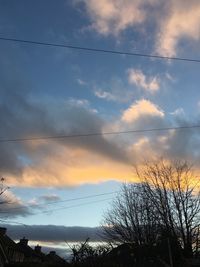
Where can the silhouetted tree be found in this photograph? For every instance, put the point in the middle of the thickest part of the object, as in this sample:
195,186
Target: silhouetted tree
83,254
173,190
3,189
166,203
132,218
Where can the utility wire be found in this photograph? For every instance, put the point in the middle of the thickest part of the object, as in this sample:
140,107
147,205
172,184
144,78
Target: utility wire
4,140
59,201
68,207
54,210
73,206
98,50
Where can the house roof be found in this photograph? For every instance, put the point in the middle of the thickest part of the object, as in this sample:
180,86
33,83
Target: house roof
6,243
27,251
53,257
40,254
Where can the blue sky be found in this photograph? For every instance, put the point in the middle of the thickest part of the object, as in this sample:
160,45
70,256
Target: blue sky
54,91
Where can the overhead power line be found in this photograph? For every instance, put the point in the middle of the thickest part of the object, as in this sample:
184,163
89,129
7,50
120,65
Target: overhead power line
73,206
81,198
58,209
58,201
98,50
68,207
5,140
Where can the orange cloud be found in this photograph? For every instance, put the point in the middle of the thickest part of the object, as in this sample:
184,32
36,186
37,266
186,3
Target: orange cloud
82,167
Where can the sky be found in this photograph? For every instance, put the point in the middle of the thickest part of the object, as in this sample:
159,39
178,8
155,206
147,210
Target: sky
52,91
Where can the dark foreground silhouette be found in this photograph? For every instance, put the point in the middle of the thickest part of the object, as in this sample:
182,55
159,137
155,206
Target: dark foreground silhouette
165,254
21,254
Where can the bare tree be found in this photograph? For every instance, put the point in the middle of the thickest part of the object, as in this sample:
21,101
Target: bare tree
173,190
131,218
88,255
167,199
3,189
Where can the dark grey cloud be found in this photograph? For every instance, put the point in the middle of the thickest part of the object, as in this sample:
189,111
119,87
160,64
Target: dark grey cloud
12,207
23,115
50,235
53,233
184,144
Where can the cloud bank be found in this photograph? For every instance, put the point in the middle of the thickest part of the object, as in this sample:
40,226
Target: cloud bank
53,233
75,161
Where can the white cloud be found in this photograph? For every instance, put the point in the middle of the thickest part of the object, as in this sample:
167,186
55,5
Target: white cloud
176,20
81,82
140,109
81,103
179,112
78,102
115,90
181,21
120,96
105,95
138,78
114,16
170,77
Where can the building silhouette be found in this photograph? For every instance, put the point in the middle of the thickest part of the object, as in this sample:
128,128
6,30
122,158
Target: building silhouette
12,253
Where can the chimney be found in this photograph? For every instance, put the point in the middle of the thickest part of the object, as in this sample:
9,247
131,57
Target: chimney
38,249
3,230
52,253
24,241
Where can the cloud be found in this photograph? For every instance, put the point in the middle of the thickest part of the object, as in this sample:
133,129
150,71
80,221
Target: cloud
181,145
170,77
78,160
179,112
115,90
105,95
53,233
12,206
46,162
114,16
75,161
119,95
180,21
89,168
81,82
54,237
141,108
138,78
174,20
